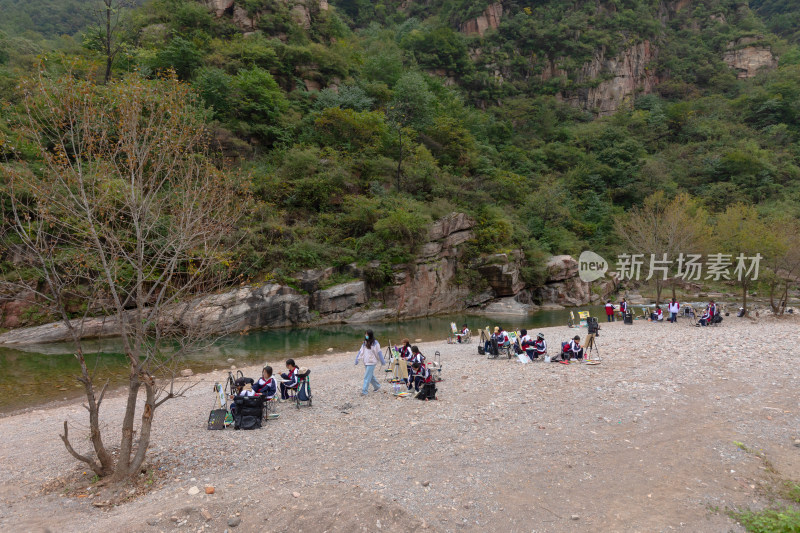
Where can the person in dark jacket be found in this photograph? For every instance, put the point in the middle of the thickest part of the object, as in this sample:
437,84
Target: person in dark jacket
290,379
419,374
266,385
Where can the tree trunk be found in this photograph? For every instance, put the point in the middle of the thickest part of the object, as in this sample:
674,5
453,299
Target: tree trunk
93,406
109,57
122,469
659,288
400,158
147,423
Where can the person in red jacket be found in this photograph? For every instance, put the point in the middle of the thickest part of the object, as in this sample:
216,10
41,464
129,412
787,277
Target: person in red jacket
609,311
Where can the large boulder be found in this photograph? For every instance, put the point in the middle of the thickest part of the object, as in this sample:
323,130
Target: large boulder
561,267
265,306
340,298
501,271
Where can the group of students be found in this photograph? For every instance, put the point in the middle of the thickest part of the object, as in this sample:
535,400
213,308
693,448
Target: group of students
267,385
657,315
418,372
535,348
370,353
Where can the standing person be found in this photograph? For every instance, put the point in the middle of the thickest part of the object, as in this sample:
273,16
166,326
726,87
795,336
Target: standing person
609,311
371,353
712,309
623,307
673,308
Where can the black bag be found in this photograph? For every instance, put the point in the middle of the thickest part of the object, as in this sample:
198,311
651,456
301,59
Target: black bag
481,350
717,319
427,392
495,347
628,318
247,422
249,410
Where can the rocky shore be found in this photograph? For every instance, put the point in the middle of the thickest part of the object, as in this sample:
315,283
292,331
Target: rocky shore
369,293
644,441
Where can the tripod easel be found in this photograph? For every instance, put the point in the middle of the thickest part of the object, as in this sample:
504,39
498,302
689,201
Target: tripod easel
590,345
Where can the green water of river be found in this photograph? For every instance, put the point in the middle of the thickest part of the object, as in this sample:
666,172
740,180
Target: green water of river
46,373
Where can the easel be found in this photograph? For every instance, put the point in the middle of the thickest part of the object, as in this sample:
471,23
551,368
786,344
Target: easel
398,368
590,346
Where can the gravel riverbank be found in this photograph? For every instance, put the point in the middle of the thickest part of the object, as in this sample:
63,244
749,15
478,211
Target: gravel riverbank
642,442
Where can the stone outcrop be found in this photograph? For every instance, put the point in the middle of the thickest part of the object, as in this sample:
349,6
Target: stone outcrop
748,58
339,298
501,271
564,287
622,77
219,7
427,287
490,18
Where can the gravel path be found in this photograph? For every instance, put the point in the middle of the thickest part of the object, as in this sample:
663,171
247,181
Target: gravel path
642,442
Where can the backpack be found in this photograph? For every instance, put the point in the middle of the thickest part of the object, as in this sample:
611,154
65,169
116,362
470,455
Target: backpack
716,319
248,412
427,392
481,351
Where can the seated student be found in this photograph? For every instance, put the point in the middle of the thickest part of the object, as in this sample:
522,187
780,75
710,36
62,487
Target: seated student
706,317
488,344
539,347
291,379
463,333
574,349
502,337
405,350
526,342
656,315
416,356
266,385
419,374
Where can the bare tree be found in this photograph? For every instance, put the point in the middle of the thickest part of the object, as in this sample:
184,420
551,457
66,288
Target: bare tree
127,216
105,35
663,228
782,262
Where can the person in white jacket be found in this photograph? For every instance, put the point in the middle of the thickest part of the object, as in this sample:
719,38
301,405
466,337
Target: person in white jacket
673,308
371,353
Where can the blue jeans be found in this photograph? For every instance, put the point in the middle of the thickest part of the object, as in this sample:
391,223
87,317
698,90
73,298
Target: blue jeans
369,377
673,317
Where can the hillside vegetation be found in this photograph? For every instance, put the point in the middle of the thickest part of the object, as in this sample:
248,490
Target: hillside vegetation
360,122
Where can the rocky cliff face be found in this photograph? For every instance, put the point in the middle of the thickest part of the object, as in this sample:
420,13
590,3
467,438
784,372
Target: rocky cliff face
622,77
300,10
749,59
564,287
490,18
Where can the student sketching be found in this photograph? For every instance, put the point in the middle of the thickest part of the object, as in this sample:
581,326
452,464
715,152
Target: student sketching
416,356
291,379
464,332
266,385
419,374
573,350
526,342
539,347
405,351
